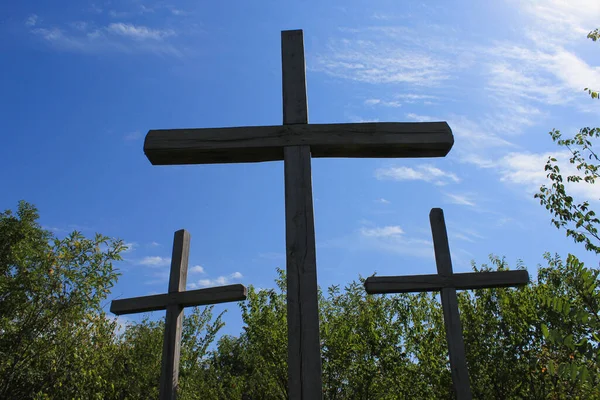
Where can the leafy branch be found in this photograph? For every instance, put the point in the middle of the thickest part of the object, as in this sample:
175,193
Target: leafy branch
578,219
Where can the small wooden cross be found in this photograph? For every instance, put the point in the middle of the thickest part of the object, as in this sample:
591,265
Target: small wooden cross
295,142
447,283
174,301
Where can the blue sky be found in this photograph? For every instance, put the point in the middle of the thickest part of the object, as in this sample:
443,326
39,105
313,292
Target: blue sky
82,83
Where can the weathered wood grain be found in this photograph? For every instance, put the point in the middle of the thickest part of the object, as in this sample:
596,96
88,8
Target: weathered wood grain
456,346
169,376
304,348
266,143
179,261
190,298
293,78
461,281
304,352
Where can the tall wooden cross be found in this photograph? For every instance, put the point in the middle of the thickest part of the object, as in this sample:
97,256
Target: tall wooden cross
295,142
174,301
447,283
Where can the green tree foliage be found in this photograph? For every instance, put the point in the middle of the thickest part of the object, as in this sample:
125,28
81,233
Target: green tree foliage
572,336
52,328
579,221
536,342
139,351
394,346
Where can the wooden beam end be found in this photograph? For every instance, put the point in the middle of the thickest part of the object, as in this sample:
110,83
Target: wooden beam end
113,308
291,32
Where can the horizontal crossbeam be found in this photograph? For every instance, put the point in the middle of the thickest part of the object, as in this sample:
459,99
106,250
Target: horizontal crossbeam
427,283
266,143
213,295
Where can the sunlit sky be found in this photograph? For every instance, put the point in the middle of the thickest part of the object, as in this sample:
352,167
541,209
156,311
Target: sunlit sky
82,82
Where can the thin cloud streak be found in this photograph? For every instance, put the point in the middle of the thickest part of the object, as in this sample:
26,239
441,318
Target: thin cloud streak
462,200
383,56
424,172
85,37
527,170
219,281
384,231
138,32
155,261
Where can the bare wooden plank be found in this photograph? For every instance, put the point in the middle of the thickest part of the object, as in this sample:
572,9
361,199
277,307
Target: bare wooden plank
456,346
428,283
304,347
199,297
179,261
293,76
304,351
255,144
169,375
441,246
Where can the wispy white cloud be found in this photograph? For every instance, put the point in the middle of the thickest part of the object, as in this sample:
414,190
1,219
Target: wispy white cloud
139,9
560,20
219,281
382,16
421,118
476,136
179,12
527,170
543,68
31,20
517,82
383,201
163,9
383,103
384,55
460,199
399,99
155,261
423,172
461,236
138,32
478,160
130,247
86,37
415,97
197,269
359,120
383,231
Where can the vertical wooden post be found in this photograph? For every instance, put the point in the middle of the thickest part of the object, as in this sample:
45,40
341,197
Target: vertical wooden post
304,350
456,345
169,375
